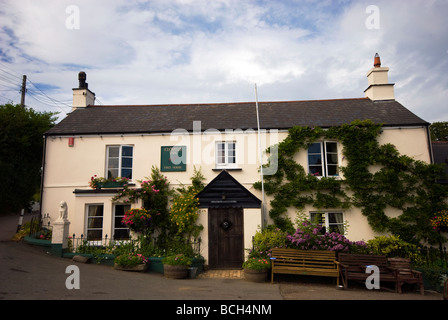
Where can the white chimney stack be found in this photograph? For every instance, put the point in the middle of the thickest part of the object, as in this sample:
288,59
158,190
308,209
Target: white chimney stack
82,96
379,86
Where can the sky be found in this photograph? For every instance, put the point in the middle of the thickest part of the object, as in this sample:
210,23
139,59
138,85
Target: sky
211,51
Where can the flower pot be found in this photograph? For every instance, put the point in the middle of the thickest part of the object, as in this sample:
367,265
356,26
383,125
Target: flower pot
111,184
155,264
192,272
175,272
256,275
142,267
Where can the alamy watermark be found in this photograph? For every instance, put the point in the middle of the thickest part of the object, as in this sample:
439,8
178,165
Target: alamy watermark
73,21
373,281
246,147
73,280
373,20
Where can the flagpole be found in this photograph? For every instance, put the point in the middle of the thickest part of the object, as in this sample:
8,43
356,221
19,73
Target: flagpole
263,211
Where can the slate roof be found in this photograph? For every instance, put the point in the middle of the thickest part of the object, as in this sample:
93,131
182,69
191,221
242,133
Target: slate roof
241,115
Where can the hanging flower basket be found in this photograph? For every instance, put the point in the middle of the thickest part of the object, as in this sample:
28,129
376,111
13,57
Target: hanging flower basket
137,219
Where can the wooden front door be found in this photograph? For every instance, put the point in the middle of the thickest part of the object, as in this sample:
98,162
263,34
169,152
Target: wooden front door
225,236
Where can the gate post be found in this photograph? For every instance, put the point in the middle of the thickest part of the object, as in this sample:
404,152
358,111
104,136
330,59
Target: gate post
59,238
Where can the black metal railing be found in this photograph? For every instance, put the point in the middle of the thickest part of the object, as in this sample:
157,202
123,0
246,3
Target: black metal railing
39,230
83,244
109,245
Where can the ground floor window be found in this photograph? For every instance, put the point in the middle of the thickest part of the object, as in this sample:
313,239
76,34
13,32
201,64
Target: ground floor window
94,222
121,232
330,221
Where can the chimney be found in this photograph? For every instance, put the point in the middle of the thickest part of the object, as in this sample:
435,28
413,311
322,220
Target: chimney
82,96
379,86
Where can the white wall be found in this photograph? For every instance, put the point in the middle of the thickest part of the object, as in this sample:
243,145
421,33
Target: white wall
69,168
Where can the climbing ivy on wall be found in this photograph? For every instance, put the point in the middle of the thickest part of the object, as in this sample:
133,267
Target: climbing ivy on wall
398,181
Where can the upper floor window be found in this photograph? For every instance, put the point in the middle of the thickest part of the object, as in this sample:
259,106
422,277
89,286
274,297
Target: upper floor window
226,154
119,161
323,159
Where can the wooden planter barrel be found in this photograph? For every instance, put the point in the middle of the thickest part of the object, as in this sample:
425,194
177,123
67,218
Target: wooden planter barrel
256,275
175,272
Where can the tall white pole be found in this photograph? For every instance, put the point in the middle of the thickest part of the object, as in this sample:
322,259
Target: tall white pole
263,211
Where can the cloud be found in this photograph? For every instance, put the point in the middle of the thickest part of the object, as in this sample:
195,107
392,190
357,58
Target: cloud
188,51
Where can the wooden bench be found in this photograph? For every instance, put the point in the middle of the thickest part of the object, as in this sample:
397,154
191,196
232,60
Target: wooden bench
405,274
304,262
353,267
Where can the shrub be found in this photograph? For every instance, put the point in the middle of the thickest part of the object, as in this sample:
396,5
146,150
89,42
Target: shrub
177,260
265,240
310,237
258,264
131,259
393,246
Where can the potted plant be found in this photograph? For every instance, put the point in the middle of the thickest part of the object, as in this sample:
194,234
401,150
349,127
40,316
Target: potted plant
100,182
176,266
256,269
131,262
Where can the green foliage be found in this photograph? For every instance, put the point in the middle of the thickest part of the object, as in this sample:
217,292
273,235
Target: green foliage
266,239
130,259
393,246
21,145
399,182
310,236
439,131
174,225
185,205
256,263
177,260
154,193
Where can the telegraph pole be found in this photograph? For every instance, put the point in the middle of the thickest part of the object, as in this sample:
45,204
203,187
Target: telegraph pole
23,90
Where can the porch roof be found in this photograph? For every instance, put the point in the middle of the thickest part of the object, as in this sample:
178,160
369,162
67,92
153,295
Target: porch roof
224,191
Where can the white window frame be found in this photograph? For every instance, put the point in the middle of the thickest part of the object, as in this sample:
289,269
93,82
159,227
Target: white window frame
227,163
114,226
120,160
88,228
324,156
326,220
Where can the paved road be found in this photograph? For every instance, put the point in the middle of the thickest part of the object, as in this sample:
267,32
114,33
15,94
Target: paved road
28,272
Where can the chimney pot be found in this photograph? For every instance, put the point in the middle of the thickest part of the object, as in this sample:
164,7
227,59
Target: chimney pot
377,61
379,87
82,96
82,80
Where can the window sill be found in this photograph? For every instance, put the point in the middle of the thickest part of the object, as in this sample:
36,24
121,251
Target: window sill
334,177
103,191
227,169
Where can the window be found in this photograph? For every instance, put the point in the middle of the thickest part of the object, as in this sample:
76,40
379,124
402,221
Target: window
119,161
120,230
323,159
94,222
225,154
330,221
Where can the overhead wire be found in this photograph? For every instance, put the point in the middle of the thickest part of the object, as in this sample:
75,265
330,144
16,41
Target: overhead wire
10,82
